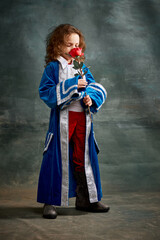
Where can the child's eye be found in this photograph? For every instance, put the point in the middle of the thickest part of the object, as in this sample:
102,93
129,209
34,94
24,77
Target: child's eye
68,45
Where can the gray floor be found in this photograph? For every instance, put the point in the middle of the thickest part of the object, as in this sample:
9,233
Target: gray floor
132,216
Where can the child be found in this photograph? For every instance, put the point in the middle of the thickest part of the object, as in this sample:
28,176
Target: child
70,164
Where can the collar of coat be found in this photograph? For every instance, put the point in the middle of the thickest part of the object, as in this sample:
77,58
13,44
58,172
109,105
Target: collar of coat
63,62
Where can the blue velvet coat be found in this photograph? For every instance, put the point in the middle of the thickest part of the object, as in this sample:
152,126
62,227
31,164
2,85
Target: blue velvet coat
56,181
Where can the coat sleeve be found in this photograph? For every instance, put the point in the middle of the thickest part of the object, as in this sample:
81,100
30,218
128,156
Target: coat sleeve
47,88
67,92
98,95
96,92
61,94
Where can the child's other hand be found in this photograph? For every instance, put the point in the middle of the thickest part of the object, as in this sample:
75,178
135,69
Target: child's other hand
87,100
82,83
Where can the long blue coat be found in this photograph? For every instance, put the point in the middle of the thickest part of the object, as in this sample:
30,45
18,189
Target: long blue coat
56,181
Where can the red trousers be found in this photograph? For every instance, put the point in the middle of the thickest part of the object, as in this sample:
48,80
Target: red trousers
77,132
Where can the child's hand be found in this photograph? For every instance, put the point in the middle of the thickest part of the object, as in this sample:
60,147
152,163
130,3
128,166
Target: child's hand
82,83
87,100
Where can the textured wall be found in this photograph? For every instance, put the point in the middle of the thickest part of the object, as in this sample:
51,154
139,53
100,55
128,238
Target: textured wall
123,51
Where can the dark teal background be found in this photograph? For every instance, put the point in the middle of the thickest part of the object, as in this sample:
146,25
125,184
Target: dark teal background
123,50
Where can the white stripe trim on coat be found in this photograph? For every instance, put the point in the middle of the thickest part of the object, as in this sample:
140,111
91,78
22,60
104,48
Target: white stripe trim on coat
62,100
100,86
92,189
49,137
64,155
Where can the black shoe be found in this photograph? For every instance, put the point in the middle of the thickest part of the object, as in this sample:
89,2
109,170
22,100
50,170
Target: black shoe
49,211
96,207
82,197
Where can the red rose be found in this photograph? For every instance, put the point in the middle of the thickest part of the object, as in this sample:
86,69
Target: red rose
76,52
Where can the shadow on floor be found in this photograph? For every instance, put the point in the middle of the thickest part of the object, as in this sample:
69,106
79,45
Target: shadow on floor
34,212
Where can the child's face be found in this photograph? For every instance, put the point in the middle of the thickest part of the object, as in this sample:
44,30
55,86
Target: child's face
70,41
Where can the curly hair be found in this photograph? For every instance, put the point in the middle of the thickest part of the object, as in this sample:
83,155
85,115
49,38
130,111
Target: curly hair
56,38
